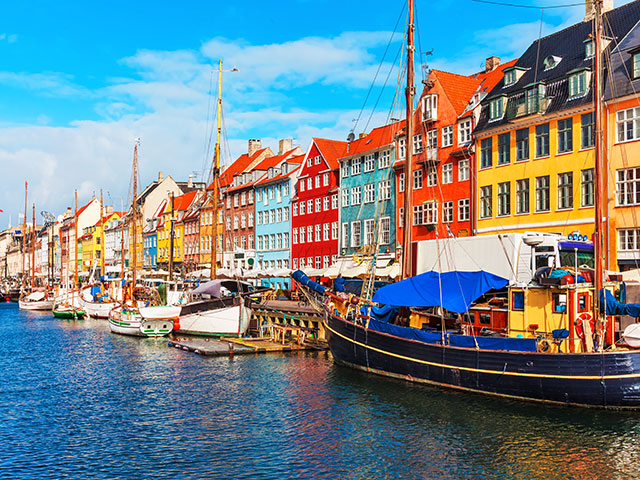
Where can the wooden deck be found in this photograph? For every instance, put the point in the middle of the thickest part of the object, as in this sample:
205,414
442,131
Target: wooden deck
240,346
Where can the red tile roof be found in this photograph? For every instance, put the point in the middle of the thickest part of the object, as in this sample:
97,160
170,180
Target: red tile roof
491,79
297,160
331,150
458,88
238,166
378,137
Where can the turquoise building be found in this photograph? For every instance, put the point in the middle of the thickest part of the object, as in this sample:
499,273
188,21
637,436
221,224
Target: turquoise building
273,194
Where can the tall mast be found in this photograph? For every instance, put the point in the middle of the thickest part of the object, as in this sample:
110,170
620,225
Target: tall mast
216,171
597,100
33,249
407,267
101,235
134,255
171,236
24,229
75,241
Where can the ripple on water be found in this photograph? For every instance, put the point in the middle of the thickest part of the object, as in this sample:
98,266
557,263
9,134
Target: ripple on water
79,402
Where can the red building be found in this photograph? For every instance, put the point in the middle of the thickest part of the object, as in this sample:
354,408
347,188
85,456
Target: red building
443,152
315,206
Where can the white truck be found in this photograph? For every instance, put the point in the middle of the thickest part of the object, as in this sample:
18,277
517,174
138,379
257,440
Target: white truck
514,256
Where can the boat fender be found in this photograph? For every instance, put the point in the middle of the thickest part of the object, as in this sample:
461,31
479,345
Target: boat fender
543,345
578,323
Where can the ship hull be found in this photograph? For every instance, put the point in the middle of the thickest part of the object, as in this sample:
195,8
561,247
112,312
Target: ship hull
609,380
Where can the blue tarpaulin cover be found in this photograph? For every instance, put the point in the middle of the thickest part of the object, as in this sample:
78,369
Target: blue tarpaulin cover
384,313
482,343
459,290
614,307
300,277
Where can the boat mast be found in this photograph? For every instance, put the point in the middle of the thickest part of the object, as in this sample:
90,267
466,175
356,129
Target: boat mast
171,236
24,230
101,235
216,172
407,263
33,248
597,100
75,241
134,255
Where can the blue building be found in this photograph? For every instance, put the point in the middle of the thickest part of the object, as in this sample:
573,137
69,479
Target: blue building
150,246
367,197
273,194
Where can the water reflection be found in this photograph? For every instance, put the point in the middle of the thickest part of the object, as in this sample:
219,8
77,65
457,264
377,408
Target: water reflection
78,401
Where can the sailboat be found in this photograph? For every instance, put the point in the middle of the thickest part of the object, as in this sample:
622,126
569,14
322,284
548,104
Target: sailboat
574,363
125,318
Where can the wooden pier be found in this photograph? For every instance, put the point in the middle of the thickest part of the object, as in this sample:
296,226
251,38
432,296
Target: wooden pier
242,346
288,312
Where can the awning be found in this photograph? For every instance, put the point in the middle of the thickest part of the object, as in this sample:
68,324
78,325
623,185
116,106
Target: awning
454,291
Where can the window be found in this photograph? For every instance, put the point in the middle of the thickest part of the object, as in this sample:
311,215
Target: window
400,217
522,144
385,231
250,244
565,135
384,160
429,108
418,215
369,193
325,180
272,216
504,198
356,195
636,65
586,188
318,262
463,170
309,184
317,181
432,138
301,188
629,240
250,222
447,136
587,122
334,230
542,194
417,179
325,261
325,203
345,197
496,108
401,182
464,132
318,232
318,159
628,123
295,263
228,225
417,143
504,152
486,194
509,78
356,236
285,189
302,234
334,201
447,212
294,236
588,49
272,190
402,148
236,222
542,140
368,231
309,162
345,234
385,190
344,169
565,190
432,177
302,208
578,84
301,262
243,198
309,206
486,153
369,162
430,212
464,212
356,166
228,202
318,205
325,231
522,196
285,214
309,233
447,173
628,186
278,215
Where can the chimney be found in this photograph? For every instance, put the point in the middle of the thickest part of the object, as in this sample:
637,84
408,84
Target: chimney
254,146
589,8
190,182
284,145
491,63
68,213
160,177
108,210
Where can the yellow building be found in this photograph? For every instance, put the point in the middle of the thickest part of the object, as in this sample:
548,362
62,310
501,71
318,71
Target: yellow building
207,227
90,243
180,205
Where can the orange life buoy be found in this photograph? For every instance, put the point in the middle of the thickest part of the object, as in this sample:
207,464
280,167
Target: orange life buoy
578,322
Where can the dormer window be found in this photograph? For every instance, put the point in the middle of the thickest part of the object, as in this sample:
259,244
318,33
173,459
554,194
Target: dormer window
551,62
635,62
588,48
429,108
496,108
578,81
509,78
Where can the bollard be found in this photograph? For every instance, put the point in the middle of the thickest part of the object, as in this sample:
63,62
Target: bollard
231,349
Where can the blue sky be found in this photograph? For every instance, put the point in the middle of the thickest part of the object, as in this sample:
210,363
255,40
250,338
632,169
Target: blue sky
79,81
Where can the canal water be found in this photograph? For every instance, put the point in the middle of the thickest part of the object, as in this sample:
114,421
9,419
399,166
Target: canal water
79,402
